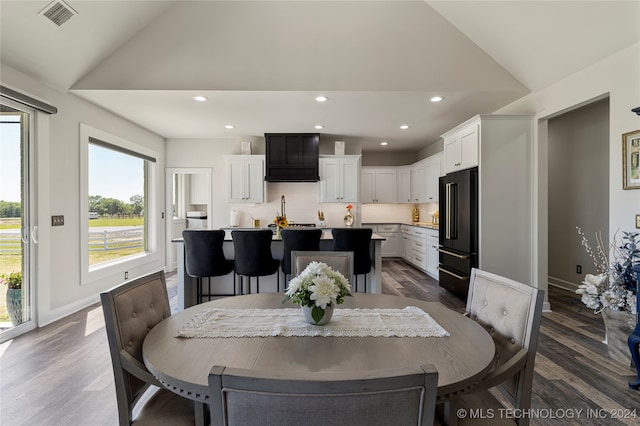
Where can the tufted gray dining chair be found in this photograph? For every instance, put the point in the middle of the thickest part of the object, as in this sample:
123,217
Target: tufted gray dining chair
131,310
399,397
511,312
341,261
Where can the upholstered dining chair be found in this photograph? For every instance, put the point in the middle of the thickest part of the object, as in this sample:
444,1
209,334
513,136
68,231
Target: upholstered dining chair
511,312
130,311
403,396
341,261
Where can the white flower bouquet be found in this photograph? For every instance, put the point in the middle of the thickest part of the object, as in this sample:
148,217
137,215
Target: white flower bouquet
318,287
615,286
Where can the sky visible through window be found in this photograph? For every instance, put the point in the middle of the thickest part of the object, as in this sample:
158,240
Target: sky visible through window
114,175
10,158
111,174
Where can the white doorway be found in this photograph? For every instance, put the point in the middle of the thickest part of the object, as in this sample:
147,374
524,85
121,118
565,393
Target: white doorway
186,188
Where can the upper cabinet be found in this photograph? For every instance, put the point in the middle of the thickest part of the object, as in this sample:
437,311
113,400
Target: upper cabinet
404,185
199,188
292,157
339,178
378,185
433,171
461,147
424,180
245,178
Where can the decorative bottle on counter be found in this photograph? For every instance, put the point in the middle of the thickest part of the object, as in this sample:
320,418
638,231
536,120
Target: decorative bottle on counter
416,213
348,218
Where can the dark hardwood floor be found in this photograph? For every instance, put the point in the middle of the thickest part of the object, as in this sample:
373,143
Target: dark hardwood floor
61,374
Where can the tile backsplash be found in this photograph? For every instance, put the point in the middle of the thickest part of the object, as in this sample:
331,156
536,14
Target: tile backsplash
302,207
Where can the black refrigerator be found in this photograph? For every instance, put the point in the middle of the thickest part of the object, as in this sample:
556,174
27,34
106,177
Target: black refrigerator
458,230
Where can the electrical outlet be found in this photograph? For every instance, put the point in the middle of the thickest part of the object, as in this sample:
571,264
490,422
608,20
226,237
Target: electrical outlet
638,221
57,220
578,269
126,275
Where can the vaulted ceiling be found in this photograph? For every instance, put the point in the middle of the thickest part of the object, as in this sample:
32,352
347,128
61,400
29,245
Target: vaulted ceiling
262,63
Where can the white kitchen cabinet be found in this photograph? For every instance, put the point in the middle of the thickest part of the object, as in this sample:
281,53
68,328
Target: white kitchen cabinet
199,188
378,185
339,178
433,171
391,244
404,185
419,247
245,178
461,147
433,258
414,241
418,182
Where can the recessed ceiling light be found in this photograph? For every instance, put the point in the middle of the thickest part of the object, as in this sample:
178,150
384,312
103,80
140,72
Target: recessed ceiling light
200,98
437,99
228,126
322,99
319,126
404,127
384,143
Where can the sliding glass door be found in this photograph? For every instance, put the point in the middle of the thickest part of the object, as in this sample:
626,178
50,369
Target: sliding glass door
17,233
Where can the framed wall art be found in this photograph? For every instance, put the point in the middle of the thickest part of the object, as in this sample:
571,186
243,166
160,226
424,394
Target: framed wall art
631,160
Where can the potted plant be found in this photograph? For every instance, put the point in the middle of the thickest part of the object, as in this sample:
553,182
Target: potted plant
14,296
317,290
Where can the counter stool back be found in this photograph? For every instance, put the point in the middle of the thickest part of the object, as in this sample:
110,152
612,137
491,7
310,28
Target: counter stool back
298,240
357,240
204,257
253,256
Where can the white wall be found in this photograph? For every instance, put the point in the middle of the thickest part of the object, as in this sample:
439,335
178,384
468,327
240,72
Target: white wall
578,189
616,75
58,290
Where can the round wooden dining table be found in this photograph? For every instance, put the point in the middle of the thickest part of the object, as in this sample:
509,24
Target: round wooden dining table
183,364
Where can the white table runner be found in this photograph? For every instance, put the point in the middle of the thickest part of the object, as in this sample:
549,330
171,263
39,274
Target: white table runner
408,322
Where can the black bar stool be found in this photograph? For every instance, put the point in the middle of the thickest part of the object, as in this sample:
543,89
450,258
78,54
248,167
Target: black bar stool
253,256
298,240
204,258
357,240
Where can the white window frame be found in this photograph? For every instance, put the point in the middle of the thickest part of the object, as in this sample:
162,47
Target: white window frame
118,266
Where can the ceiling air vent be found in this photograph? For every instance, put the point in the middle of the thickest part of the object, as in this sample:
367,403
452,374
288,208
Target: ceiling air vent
58,12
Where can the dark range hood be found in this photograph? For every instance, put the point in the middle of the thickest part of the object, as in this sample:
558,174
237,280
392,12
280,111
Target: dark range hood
292,157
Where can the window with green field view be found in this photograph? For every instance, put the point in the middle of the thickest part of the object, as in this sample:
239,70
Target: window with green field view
117,184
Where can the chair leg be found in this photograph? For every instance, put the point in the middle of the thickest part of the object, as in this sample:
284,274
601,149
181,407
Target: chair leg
234,283
365,283
199,290
209,295
257,285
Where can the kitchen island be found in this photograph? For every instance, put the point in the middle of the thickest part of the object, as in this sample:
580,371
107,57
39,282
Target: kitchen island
225,284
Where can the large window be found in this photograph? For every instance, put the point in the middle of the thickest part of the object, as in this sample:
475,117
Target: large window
117,214
117,200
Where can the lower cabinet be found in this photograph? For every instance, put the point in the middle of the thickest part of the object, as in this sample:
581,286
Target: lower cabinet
433,257
391,244
419,247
